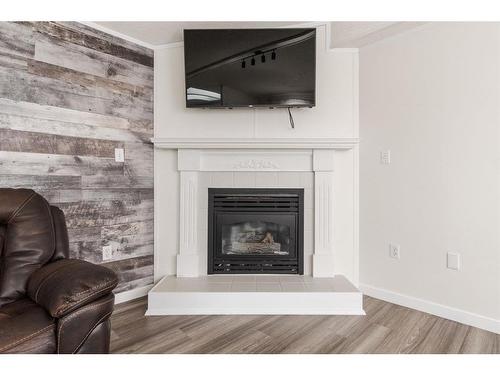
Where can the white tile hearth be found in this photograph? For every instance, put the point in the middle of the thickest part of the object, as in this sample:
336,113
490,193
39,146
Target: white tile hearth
249,294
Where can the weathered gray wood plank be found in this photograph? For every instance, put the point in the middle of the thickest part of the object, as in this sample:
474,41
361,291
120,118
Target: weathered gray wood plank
131,246
81,28
68,34
132,269
119,231
131,251
17,39
138,167
130,264
136,273
139,151
140,94
84,234
130,194
62,165
102,213
46,112
40,183
19,85
30,124
117,182
87,250
10,60
26,141
73,56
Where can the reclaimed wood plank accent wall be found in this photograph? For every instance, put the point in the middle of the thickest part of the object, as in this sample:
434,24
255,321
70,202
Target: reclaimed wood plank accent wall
70,95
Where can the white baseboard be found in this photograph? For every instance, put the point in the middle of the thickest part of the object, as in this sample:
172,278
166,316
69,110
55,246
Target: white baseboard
447,312
132,294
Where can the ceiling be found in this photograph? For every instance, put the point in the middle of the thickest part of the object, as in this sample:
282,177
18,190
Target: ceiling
343,34
359,34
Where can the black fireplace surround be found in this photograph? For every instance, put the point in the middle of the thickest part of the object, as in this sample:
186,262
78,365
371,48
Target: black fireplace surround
255,231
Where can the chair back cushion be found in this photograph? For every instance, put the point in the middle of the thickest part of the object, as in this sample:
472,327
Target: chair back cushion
61,233
27,240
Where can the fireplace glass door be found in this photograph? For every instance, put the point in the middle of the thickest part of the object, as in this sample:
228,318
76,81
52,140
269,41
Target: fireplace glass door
257,234
255,231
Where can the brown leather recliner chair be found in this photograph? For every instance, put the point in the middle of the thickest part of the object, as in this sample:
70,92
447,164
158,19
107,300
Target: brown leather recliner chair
48,303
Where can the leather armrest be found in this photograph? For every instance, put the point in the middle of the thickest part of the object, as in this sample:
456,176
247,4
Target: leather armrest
67,284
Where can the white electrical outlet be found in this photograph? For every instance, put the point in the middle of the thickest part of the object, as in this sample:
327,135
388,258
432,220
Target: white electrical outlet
120,155
385,157
107,252
453,261
394,251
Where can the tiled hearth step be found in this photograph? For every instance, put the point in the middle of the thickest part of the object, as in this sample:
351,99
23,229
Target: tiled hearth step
260,294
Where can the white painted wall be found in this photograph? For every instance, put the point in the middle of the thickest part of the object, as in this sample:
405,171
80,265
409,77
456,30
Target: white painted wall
431,96
335,116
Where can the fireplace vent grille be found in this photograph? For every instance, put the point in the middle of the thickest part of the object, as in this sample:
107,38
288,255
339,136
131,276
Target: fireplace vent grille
264,203
257,267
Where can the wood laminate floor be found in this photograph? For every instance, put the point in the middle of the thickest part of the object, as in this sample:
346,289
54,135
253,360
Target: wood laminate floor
387,328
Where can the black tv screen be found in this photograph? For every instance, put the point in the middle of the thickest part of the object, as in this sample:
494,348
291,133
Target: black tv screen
228,68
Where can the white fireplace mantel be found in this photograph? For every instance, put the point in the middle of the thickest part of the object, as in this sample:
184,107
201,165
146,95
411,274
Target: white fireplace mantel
257,155
255,143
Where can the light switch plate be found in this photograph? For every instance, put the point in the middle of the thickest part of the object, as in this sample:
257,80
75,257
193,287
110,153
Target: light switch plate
385,157
120,155
453,261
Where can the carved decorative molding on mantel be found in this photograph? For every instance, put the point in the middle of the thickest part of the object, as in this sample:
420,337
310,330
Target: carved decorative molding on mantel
255,164
254,143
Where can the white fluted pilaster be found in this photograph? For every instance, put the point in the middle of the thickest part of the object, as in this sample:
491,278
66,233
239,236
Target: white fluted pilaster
323,162
188,257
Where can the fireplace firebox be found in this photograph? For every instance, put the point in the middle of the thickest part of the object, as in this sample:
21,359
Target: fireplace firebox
255,231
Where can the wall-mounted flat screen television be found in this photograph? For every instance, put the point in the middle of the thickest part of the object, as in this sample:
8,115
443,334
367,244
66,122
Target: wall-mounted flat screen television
228,68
